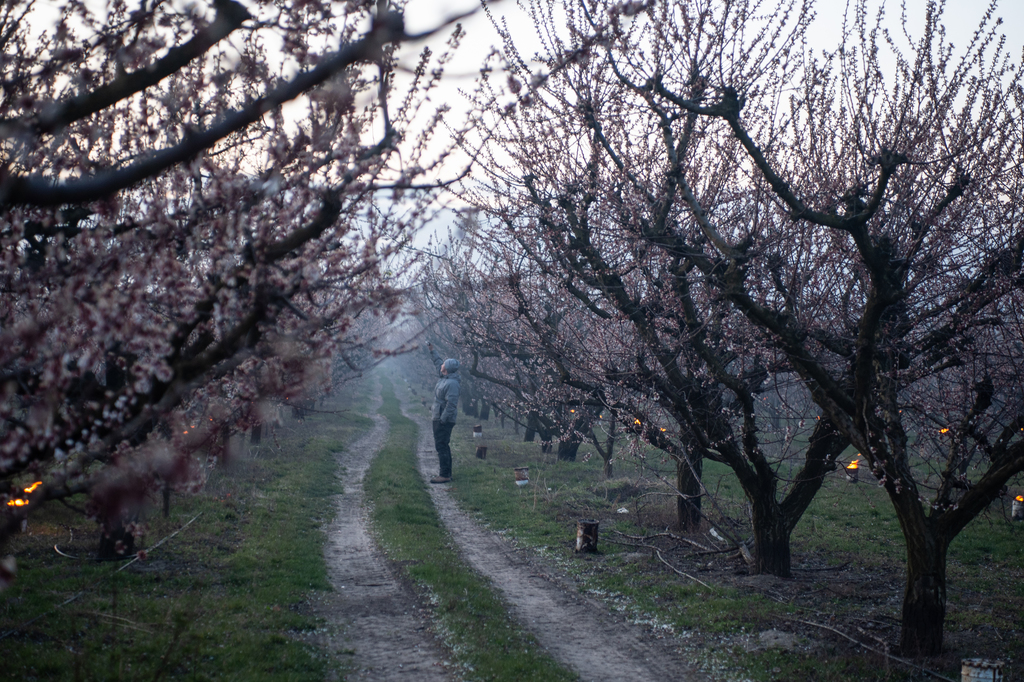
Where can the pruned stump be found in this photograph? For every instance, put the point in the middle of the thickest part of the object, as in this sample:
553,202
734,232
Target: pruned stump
481,452
586,535
522,475
478,431
1017,509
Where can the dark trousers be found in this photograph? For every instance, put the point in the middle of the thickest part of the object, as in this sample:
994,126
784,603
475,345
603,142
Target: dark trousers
442,438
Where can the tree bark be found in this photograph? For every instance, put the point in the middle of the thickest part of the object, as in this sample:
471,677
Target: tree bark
688,504
771,538
924,604
532,426
567,449
116,543
924,597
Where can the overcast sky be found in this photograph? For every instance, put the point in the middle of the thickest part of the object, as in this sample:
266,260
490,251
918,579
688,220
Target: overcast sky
961,18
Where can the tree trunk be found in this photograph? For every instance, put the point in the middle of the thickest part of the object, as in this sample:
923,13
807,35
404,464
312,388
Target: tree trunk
116,543
567,449
924,599
256,434
532,426
468,401
485,410
771,537
688,504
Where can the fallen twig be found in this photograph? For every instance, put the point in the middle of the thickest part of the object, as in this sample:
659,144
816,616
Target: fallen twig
94,584
680,538
661,559
826,568
119,620
872,649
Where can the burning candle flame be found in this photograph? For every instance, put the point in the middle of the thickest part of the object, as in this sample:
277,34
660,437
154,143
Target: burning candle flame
853,466
1020,498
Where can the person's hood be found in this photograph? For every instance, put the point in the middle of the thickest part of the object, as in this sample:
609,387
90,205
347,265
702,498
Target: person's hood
451,365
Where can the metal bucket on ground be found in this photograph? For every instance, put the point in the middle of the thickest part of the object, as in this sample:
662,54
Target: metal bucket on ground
981,670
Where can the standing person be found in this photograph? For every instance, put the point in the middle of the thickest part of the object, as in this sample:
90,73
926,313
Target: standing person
446,403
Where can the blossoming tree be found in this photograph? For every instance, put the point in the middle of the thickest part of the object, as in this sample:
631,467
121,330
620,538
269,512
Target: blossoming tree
175,243
848,217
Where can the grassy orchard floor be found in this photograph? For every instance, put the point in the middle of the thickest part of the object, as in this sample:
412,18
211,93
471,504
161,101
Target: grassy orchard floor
230,596
225,599
847,555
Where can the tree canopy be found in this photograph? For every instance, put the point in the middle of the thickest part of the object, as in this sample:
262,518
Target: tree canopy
748,210
179,251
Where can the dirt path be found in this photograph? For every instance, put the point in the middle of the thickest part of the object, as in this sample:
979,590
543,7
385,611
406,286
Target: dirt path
376,619
577,631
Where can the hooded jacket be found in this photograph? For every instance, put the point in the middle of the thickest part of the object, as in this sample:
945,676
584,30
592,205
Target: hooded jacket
446,393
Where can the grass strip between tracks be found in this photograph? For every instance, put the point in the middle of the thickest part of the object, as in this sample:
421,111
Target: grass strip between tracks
468,616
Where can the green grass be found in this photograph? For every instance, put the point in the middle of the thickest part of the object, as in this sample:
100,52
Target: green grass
848,545
470,619
225,599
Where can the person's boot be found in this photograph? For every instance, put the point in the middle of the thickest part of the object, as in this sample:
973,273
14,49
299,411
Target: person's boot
441,479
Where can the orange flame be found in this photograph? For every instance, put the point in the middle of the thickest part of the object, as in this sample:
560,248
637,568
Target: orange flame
853,465
20,502
1020,498
944,430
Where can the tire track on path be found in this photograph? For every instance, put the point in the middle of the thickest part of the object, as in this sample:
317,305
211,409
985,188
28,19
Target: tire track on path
378,619
579,632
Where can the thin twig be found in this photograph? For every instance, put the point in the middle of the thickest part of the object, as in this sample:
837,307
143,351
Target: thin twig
685,575
880,653
160,543
826,568
679,538
118,620
662,560
94,584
